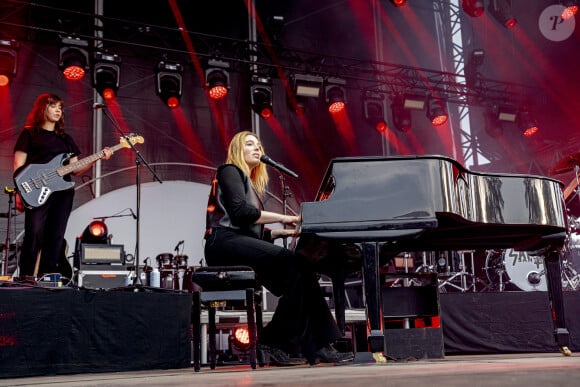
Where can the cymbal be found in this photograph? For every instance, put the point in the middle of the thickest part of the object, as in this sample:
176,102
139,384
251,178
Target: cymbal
567,164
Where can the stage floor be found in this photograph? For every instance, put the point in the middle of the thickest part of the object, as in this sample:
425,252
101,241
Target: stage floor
552,369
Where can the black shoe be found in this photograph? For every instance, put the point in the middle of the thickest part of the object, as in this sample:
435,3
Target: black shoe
276,357
328,354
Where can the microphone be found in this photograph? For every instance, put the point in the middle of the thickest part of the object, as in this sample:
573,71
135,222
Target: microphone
266,160
98,106
178,244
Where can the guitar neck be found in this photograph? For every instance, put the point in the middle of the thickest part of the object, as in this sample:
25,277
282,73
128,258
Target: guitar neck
80,164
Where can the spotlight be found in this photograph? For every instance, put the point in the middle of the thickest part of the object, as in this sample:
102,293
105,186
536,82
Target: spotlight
473,8
401,115
335,93
106,73
399,3
571,8
73,58
374,110
472,65
240,338
436,111
217,79
506,113
8,61
95,232
168,83
501,11
305,85
261,96
527,124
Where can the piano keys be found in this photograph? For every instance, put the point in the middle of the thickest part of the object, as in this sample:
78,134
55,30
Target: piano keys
377,207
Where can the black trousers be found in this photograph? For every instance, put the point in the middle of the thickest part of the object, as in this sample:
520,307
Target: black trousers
44,229
302,322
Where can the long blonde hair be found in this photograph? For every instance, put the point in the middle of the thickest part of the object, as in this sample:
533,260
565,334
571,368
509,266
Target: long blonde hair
258,175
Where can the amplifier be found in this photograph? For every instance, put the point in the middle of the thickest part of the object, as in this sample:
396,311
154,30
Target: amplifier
99,256
101,279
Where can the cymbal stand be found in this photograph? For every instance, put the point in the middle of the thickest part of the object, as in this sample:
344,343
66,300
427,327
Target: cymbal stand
285,194
462,274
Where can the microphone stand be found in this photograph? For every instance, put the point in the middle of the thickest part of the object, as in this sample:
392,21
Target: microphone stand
139,160
285,194
10,193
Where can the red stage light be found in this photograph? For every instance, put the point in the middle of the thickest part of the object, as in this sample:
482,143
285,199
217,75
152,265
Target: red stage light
173,102
4,80
569,12
439,120
381,126
108,94
98,228
74,73
266,113
511,22
399,3
336,107
218,92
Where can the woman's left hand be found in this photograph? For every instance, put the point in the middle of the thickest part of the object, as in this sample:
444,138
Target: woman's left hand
107,153
283,233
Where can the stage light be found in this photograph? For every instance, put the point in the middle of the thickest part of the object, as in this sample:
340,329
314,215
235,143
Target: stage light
501,11
261,96
217,79
106,74
305,85
335,94
240,338
95,232
168,83
8,61
436,111
73,58
401,115
374,110
399,3
473,8
527,124
506,113
570,10
493,126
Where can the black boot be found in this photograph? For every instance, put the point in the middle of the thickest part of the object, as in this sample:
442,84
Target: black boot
328,354
276,357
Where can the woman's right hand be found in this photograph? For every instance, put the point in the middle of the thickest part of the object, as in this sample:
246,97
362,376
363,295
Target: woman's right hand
290,219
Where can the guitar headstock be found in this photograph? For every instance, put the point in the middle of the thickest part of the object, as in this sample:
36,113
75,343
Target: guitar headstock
131,138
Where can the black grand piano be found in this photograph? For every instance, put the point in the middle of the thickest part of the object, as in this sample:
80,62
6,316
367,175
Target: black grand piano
380,206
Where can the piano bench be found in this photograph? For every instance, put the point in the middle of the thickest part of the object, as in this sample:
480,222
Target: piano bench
222,286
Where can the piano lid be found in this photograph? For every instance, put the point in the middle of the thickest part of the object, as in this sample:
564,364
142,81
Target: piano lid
387,197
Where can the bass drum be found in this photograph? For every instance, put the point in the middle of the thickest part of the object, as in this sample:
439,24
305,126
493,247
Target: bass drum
519,268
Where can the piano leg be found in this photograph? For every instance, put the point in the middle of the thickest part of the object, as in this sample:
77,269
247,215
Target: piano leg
372,287
554,279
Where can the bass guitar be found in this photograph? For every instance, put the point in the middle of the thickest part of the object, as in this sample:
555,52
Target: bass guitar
35,182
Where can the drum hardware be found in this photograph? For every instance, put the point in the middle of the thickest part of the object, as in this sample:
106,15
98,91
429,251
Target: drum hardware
521,269
467,280
570,277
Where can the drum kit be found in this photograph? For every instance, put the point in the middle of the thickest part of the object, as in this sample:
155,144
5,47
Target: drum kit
174,272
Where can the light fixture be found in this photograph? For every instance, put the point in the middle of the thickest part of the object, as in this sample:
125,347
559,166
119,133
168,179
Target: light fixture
95,232
527,123
335,94
505,113
261,96
570,8
436,111
473,8
73,58
8,61
472,65
305,85
501,11
374,110
492,124
168,83
399,3
401,115
217,79
106,74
